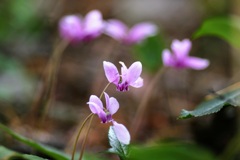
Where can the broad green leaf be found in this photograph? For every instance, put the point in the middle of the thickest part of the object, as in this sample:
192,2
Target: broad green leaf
170,151
40,147
227,28
118,148
149,52
213,105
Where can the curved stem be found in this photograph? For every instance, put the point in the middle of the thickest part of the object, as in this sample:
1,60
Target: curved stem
84,142
52,75
143,104
78,135
47,88
104,90
85,139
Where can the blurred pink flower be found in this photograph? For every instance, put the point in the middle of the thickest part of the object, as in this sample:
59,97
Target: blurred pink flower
105,114
128,77
74,28
119,31
179,58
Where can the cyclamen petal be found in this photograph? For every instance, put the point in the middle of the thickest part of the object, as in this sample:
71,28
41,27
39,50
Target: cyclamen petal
96,100
168,59
70,28
134,72
122,133
124,71
93,23
182,48
95,109
196,63
111,72
116,29
138,83
141,31
113,105
107,100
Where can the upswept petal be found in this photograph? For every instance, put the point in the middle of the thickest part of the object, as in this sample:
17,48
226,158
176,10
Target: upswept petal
95,99
124,71
106,100
111,72
121,133
93,23
138,83
141,31
167,58
196,63
181,49
113,105
134,72
95,109
116,29
70,28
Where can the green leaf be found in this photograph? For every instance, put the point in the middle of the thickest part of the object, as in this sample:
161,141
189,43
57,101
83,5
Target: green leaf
149,52
25,157
32,157
7,154
52,152
4,152
118,148
227,28
213,105
170,151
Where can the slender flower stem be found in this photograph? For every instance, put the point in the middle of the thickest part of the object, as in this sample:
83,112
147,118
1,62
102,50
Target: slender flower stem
79,132
104,90
85,139
81,127
45,94
52,76
143,104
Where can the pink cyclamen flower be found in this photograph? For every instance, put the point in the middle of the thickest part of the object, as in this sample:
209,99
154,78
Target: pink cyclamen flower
105,114
74,28
179,58
119,31
128,77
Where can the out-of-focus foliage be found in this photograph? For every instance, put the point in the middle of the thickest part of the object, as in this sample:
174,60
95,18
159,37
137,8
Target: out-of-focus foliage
19,18
227,28
170,151
149,52
47,150
213,105
6,154
117,147
37,146
14,81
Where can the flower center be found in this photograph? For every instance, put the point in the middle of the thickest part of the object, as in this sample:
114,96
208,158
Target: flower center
107,118
122,86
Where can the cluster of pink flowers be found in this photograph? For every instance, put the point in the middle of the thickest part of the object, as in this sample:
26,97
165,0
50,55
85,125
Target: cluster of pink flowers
128,77
75,28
